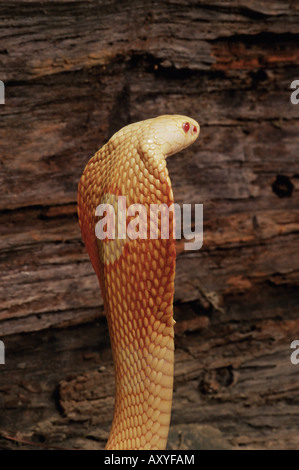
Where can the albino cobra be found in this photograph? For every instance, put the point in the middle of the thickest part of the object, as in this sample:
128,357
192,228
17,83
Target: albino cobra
136,276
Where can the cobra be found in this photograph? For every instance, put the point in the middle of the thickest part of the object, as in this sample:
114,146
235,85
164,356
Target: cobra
136,275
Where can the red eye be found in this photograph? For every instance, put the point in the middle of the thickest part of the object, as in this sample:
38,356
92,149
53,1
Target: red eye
186,126
194,129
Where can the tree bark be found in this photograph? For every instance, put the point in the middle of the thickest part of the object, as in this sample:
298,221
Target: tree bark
76,72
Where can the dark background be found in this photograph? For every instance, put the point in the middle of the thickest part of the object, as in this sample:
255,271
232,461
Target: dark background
77,71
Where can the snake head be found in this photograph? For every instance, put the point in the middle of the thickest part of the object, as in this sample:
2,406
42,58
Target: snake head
172,133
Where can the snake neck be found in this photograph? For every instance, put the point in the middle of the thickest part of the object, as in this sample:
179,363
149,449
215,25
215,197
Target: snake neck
142,338
144,383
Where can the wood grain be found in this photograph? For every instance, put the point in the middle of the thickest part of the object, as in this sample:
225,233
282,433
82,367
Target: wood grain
74,73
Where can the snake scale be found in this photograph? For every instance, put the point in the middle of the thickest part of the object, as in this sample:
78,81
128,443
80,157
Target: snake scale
136,275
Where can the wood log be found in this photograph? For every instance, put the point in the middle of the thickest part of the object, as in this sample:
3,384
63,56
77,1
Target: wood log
74,73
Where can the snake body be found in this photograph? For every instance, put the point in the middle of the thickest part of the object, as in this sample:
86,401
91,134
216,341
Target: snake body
136,275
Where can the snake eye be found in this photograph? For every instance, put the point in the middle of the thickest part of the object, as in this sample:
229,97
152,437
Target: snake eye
186,126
